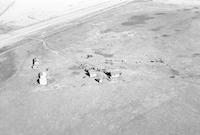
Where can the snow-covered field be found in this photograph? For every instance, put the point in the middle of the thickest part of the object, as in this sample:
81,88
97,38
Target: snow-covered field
26,12
182,2
19,13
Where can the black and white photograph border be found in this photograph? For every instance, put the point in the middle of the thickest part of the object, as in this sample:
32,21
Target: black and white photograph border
99,67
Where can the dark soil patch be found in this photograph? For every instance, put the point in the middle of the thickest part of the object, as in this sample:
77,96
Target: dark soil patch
160,13
196,55
175,72
7,66
165,35
137,20
106,55
187,9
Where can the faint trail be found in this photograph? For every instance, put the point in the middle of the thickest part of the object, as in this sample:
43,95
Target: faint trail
7,8
44,43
